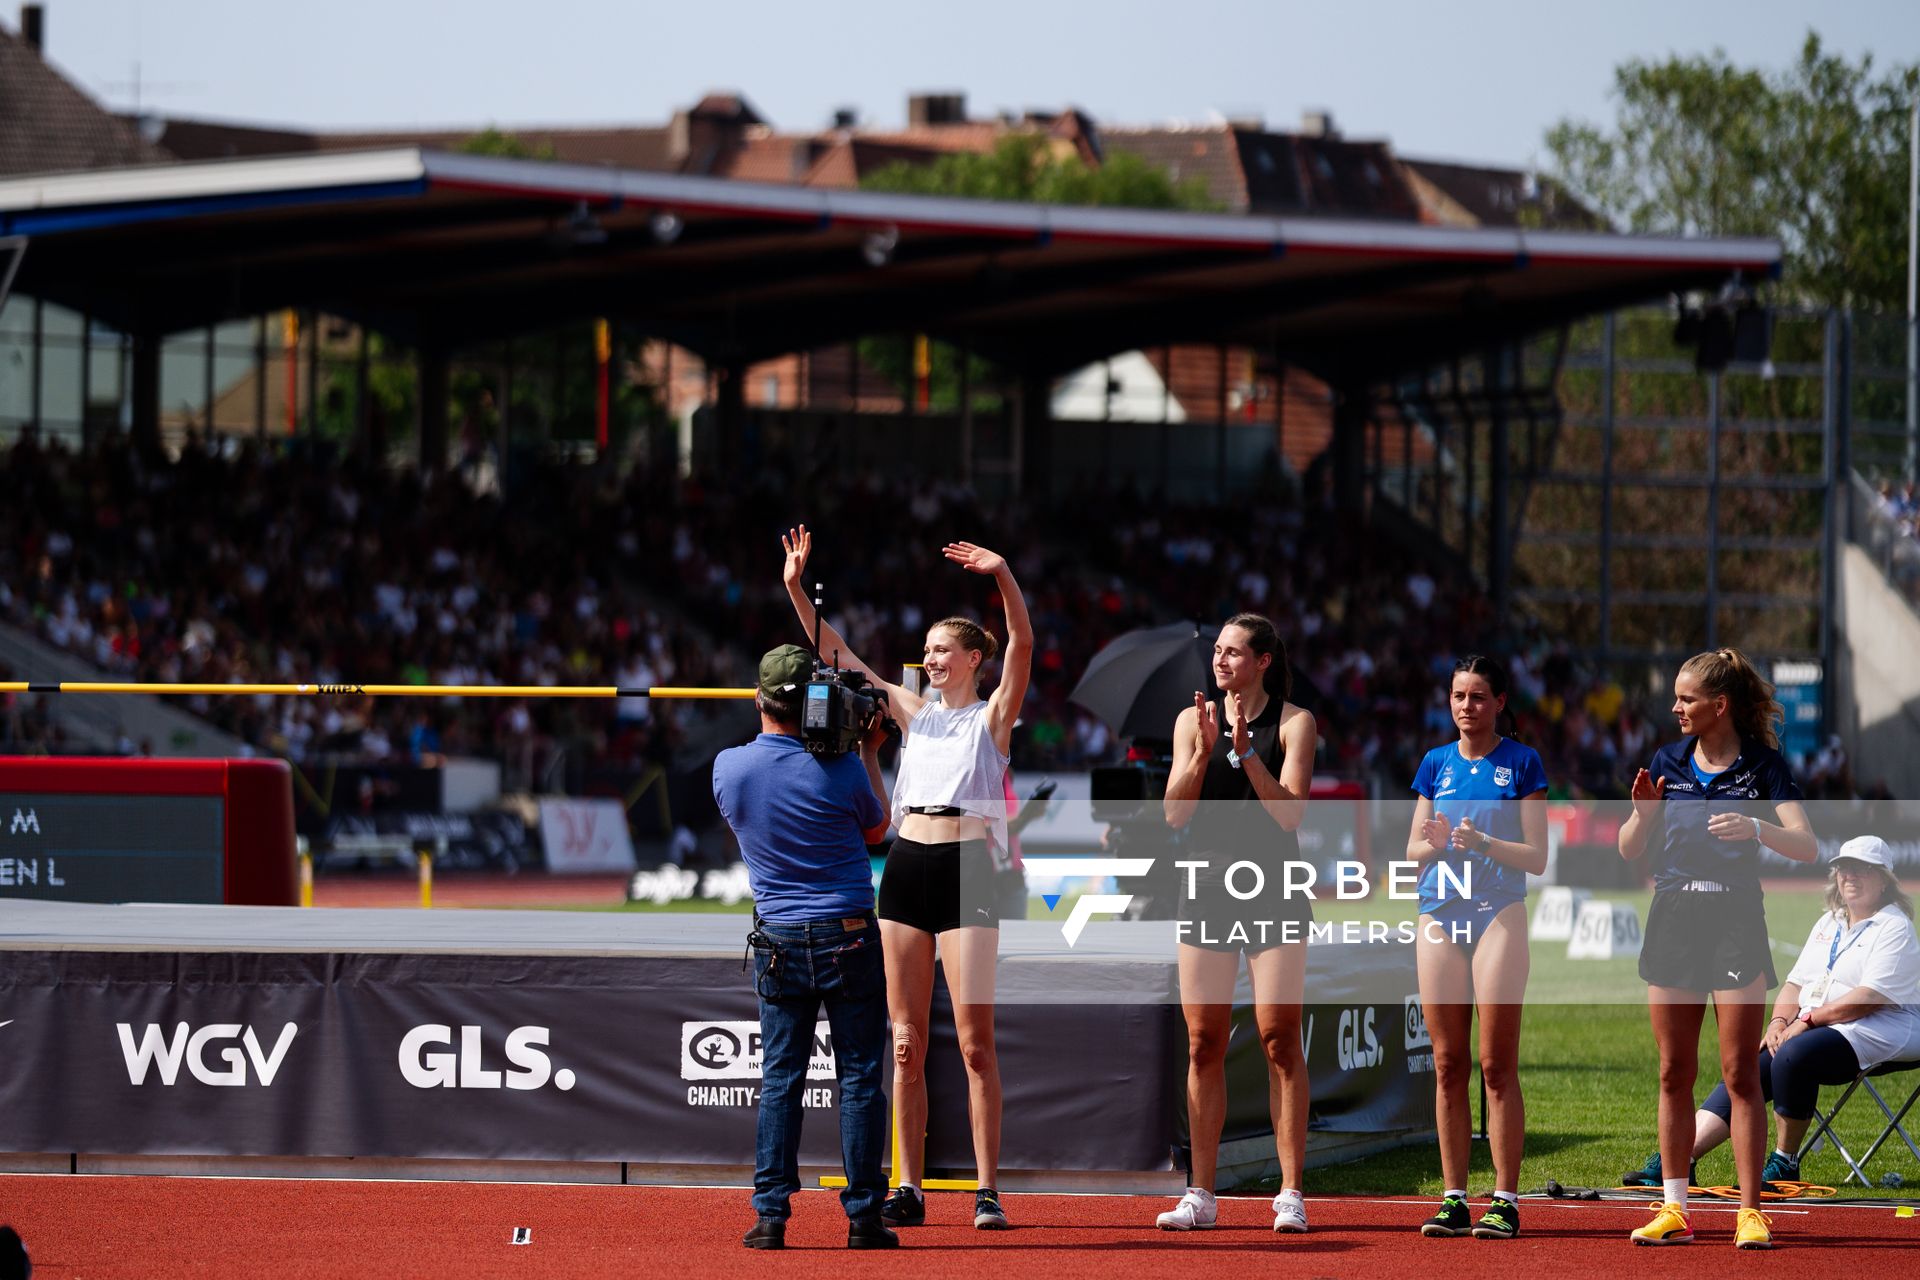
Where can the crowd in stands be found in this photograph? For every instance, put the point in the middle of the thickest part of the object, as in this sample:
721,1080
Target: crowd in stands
1895,515
242,565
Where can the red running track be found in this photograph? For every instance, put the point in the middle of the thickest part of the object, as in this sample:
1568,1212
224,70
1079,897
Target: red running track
99,1227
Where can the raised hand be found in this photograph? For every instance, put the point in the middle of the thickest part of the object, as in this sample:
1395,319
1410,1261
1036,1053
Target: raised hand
798,544
1242,736
1647,793
1206,725
974,559
1437,832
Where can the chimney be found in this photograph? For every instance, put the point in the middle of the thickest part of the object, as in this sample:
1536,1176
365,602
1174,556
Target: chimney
937,108
1318,124
845,118
33,27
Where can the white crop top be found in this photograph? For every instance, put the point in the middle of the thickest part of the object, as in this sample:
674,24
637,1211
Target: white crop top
950,760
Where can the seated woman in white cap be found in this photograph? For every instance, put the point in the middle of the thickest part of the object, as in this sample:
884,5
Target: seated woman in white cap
1851,1003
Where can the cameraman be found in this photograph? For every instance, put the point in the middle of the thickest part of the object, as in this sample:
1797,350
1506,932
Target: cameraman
803,823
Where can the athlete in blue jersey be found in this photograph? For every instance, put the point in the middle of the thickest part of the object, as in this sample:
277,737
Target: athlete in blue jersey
1479,826
1703,809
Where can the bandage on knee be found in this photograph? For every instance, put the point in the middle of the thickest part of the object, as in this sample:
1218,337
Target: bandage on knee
906,1051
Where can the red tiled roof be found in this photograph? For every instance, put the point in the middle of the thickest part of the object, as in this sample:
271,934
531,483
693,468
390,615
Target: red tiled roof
850,160
48,125
1495,197
1254,171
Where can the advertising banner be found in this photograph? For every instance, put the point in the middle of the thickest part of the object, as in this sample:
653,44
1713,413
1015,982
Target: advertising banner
585,836
649,1059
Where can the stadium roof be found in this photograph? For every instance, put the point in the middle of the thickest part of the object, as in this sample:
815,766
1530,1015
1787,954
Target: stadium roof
451,249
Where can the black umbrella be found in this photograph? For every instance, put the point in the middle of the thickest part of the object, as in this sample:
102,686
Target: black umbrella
1142,680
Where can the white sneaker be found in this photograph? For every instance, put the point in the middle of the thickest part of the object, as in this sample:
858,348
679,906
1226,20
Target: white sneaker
1197,1211
1289,1213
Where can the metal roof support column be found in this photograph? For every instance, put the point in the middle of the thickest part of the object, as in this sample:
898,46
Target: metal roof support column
730,417
37,392
1606,485
1497,376
1033,436
313,375
431,415
144,388
1279,411
1713,510
1469,442
206,383
1837,528
503,437
260,378
363,397
1220,430
966,416
1349,446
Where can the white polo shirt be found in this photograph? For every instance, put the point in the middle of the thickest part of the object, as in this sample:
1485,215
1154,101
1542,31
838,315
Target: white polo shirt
1880,952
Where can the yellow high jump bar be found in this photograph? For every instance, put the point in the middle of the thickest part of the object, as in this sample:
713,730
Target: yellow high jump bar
376,690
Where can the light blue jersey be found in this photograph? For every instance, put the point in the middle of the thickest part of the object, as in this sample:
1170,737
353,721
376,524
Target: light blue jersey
1487,791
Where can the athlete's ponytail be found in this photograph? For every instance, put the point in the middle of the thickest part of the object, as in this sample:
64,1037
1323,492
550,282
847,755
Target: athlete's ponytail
1263,638
1749,695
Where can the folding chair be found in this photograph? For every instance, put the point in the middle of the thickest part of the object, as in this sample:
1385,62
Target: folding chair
1824,1123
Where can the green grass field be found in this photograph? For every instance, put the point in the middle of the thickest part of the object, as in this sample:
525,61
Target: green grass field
1590,1073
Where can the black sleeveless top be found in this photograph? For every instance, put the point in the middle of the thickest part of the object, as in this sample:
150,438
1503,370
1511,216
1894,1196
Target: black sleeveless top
1229,818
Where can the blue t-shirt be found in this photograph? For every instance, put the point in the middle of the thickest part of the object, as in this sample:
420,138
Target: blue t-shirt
800,820
1488,791
1687,851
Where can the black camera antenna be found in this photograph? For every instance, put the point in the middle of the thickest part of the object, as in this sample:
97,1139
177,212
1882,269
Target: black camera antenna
818,599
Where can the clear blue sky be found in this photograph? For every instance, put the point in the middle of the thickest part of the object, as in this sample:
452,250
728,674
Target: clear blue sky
1454,79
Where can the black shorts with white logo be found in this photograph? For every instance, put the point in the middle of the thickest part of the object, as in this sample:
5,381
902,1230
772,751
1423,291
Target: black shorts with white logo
936,887
1700,941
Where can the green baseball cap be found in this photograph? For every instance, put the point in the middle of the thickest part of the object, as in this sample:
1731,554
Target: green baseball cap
784,670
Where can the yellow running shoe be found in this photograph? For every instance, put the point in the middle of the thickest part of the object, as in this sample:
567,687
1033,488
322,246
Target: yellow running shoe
1669,1226
1751,1232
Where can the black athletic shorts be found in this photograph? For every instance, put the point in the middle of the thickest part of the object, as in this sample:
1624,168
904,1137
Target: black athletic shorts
937,887
1699,941
1214,920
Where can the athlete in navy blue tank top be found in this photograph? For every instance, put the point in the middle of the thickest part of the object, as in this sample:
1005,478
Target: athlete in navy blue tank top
1706,934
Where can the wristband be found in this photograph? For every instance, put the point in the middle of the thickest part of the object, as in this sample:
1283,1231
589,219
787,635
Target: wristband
1237,760
1486,841
1776,1018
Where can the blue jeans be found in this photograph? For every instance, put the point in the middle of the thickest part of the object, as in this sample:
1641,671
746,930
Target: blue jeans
798,967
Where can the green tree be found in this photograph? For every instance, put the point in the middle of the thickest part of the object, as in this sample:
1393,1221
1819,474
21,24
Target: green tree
1815,155
1024,167
492,141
